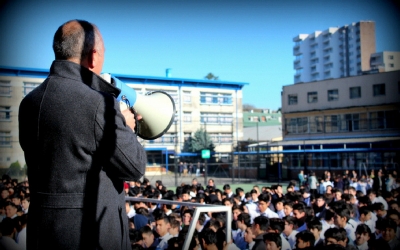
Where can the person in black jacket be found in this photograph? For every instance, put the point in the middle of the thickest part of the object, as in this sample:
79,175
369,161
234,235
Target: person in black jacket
379,181
79,148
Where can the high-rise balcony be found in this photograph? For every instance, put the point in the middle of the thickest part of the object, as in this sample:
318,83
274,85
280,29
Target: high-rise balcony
313,41
314,61
296,51
328,68
297,65
314,71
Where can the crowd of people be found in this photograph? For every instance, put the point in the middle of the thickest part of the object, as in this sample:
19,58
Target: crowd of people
14,207
341,215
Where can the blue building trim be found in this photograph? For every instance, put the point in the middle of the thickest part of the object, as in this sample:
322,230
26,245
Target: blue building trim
335,150
132,79
23,72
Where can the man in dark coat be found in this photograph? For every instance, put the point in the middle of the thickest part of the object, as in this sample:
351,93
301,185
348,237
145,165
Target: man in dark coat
379,182
79,148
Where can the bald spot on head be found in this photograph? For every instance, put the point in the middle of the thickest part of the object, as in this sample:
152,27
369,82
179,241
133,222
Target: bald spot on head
75,40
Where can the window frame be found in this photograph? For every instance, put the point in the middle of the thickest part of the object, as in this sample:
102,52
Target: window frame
354,88
6,110
379,89
293,99
330,95
313,95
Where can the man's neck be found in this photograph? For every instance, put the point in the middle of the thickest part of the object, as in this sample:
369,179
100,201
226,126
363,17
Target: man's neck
161,236
211,247
287,233
260,233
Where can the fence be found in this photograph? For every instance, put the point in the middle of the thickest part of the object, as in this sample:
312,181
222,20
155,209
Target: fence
198,208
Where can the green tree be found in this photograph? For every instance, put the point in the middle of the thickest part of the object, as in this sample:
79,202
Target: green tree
199,141
14,169
248,107
211,76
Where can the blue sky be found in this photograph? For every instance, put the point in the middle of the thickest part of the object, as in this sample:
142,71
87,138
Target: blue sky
239,40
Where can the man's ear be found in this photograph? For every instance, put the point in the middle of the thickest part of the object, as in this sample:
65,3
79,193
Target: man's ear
90,60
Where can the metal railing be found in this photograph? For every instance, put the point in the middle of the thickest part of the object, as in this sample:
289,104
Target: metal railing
198,208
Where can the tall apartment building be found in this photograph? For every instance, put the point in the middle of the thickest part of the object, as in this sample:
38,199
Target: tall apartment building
334,53
212,105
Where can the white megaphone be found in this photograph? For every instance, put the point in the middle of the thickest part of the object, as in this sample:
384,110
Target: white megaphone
157,109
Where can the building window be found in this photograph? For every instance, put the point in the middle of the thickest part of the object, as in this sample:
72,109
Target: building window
333,95
216,118
5,139
166,139
172,93
302,125
384,119
316,124
254,119
215,98
290,125
187,117
312,97
221,138
391,57
297,125
5,88
377,120
293,99
5,113
391,65
379,89
187,97
174,96
353,122
331,123
355,92
29,86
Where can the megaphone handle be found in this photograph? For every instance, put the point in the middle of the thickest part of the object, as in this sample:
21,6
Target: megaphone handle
137,124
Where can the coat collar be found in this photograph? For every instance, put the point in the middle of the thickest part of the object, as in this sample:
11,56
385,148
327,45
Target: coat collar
71,70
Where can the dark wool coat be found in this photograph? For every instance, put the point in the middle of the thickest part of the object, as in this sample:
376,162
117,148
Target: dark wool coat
79,151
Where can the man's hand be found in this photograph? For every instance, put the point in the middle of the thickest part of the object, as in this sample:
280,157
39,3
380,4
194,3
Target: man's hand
130,118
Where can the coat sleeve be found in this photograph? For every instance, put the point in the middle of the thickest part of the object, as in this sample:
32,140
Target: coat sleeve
121,154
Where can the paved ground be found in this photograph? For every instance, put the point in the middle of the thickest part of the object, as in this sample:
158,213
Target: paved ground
171,181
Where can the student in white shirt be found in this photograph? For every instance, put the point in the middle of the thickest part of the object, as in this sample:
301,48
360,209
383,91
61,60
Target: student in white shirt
327,221
375,197
363,235
289,233
277,225
264,201
342,217
243,223
365,218
279,208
